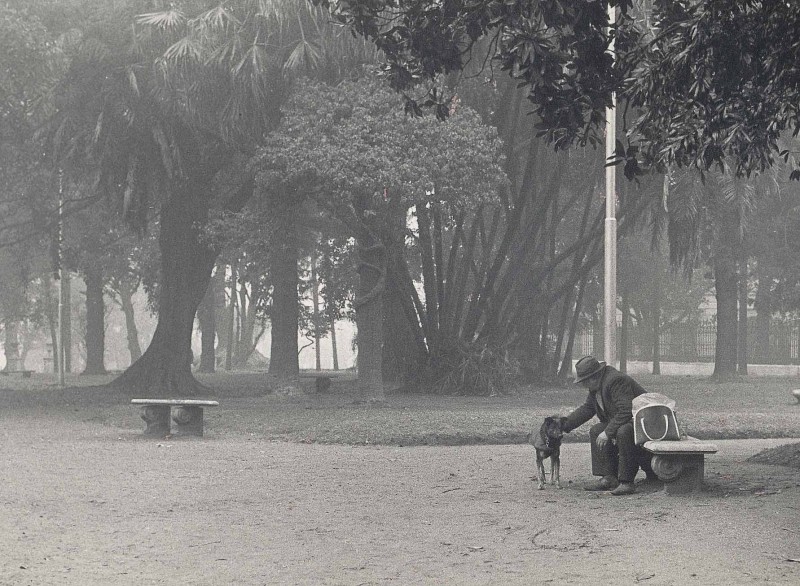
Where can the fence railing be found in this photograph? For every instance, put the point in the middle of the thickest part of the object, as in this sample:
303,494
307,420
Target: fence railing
696,342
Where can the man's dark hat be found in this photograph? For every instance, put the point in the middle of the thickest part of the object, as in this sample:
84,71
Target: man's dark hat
587,367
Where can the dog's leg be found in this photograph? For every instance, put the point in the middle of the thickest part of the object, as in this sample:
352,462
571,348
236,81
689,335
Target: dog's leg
556,472
540,472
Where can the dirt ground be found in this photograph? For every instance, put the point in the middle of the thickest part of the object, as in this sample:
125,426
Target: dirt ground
89,502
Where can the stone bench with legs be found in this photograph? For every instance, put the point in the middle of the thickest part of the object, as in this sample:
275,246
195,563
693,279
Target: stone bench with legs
187,414
680,464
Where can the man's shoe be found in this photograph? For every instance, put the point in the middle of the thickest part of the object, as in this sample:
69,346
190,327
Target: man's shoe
624,488
605,483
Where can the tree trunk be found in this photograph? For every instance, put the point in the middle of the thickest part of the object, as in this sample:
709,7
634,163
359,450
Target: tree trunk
66,320
742,329
95,322
726,283
334,350
368,304
284,359
316,320
764,305
657,328
369,316
206,317
131,331
11,346
623,339
231,319
186,262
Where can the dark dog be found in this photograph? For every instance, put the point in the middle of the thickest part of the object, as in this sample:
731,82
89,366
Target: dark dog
547,442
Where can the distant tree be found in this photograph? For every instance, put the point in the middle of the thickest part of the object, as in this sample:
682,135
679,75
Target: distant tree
366,164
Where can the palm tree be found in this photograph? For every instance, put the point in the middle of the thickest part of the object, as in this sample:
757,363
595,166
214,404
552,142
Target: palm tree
154,112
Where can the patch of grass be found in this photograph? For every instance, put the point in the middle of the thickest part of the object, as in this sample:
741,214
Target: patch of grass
259,405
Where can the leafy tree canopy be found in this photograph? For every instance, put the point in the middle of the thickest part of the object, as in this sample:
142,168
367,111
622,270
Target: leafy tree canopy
706,80
353,140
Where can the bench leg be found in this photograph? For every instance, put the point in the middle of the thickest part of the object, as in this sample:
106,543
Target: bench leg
157,419
681,474
188,419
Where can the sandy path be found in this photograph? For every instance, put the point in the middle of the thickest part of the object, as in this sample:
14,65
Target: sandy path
85,504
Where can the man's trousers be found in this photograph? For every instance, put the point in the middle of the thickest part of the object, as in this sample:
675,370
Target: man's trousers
621,460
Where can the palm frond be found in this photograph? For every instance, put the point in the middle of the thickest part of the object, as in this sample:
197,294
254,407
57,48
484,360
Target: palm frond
168,20
185,50
304,57
133,81
218,19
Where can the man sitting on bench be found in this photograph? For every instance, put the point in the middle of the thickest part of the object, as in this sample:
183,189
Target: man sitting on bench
615,456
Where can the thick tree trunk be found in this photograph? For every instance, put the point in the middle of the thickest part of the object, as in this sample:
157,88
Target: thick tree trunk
368,304
165,368
95,322
726,283
11,346
369,316
206,318
284,349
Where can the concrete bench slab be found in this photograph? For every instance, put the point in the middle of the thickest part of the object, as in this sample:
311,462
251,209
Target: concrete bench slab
680,464
187,414
796,394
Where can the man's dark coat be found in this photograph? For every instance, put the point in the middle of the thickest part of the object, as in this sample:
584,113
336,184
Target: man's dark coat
618,391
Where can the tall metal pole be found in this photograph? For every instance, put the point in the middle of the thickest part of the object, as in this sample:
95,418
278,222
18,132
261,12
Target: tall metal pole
60,243
610,288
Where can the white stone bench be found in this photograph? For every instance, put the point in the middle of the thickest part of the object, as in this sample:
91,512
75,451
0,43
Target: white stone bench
186,413
680,464
796,394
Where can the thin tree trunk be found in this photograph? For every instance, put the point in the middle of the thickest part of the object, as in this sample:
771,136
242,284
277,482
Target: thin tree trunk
51,321
742,329
623,340
764,305
66,320
95,323
657,293
229,349
207,320
315,301
131,331
334,351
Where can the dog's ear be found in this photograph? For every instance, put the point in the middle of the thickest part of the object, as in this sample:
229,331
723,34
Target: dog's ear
548,420
562,421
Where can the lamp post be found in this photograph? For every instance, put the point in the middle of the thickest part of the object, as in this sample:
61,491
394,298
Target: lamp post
610,261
